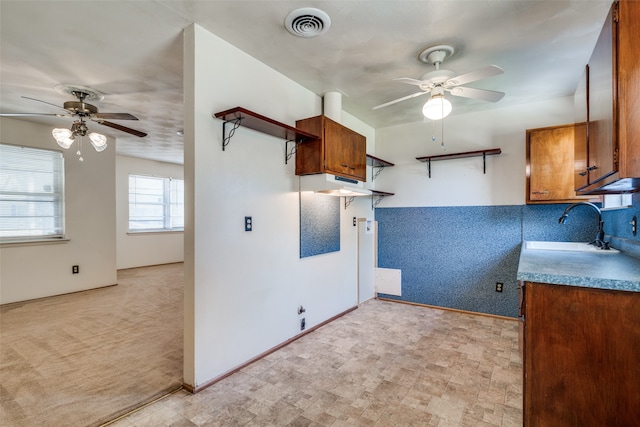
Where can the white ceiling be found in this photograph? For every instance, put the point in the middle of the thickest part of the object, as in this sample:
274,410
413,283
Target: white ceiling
132,52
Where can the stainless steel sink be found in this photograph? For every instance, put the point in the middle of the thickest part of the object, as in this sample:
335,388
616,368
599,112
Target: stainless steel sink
567,246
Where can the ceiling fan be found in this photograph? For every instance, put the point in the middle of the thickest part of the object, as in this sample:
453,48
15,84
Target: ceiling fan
439,80
81,111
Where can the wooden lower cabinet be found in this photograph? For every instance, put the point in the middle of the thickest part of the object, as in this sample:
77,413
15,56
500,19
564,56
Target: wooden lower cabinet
581,356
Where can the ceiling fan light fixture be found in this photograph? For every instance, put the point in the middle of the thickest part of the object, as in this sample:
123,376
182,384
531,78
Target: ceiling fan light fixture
79,127
98,141
437,108
64,137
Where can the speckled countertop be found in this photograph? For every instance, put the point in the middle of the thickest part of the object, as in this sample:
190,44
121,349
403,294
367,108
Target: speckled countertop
616,271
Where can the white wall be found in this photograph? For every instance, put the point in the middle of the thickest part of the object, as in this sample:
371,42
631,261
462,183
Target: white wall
242,289
461,182
140,249
38,270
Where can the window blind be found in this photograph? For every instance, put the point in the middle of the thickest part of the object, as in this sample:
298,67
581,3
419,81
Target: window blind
155,203
31,193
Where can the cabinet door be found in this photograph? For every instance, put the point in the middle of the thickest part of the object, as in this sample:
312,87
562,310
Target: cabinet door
602,137
357,154
345,151
628,88
581,110
336,148
581,356
550,161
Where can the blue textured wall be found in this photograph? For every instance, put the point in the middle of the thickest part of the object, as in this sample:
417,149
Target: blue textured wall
453,256
319,224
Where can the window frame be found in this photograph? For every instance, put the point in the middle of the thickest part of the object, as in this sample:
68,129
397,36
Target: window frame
167,204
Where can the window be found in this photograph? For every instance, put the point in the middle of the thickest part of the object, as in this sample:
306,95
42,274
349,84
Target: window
31,193
155,203
617,201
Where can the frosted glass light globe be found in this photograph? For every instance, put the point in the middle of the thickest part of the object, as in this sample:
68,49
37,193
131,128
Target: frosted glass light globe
437,108
64,137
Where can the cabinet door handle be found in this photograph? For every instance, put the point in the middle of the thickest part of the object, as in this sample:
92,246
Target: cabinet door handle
540,192
344,165
592,168
583,173
352,168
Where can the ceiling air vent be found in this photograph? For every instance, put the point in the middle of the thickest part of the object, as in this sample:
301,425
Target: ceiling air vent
307,22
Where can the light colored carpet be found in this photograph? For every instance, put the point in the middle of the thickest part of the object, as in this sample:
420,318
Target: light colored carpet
85,358
384,364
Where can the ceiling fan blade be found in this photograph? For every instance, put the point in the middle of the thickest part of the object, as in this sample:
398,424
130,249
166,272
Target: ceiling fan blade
122,128
479,74
473,93
409,81
115,116
29,115
386,104
44,102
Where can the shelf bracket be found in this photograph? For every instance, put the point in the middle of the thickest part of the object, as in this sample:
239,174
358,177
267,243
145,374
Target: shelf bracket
348,201
290,152
375,200
375,171
227,138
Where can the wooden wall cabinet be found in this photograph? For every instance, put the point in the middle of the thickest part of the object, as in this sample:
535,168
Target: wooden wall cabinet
339,151
581,349
613,156
551,153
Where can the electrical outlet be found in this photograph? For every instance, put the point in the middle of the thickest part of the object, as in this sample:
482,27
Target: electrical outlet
302,324
499,286
248,223
75,269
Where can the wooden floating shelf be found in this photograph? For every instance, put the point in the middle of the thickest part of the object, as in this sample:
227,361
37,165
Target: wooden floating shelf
264,124
451,156
377,162
381,193
242,117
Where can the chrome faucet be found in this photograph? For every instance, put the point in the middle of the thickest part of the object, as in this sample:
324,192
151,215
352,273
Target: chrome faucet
599,241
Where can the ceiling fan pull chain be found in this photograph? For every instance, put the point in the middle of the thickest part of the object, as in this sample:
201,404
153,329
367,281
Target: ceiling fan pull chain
433,131
80,148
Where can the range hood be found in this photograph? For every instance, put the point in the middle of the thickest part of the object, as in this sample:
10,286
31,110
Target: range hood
333,185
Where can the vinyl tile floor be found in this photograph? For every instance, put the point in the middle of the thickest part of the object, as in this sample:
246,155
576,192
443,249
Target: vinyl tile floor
384,364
